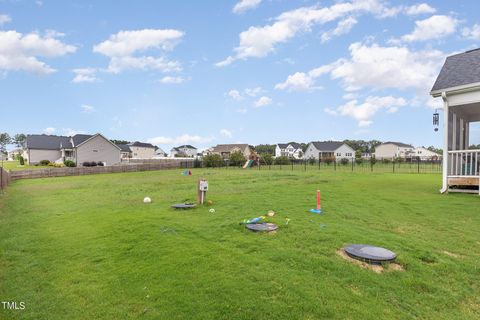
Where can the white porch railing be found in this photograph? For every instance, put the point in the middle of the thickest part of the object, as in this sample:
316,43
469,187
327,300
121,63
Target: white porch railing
464,163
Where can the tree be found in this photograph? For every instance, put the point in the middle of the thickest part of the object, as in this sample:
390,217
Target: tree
120,141
282,160
439,150
236,158
19,140
4,140
212,160
266,158
358,154
265,148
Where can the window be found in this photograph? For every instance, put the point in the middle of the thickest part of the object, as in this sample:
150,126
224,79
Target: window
339,154
95,150
348,154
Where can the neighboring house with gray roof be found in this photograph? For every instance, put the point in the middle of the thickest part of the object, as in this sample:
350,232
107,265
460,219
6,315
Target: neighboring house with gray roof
290,150
125,152
186,150
225,150
458,84
141,150
79,148
332,150
391,150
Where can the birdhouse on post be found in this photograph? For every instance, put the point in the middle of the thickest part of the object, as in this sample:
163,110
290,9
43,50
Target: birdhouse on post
202,190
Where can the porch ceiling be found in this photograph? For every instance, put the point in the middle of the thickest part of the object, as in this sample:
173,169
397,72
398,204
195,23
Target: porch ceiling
470,112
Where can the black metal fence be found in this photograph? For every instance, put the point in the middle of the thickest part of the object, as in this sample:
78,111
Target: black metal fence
344,165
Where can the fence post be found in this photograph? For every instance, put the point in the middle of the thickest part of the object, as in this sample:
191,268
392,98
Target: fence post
418,165
292,165
352,163
305,164
371,165
393,162
318,163
334,165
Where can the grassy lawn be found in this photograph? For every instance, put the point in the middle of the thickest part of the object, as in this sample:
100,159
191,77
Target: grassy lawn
15,165
88,248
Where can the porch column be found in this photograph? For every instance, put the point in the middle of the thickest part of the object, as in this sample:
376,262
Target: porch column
467,134
445,143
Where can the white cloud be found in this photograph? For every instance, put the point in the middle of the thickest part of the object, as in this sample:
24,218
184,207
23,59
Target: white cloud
125,43
377,67
435,27
263,101
4,19
472,32
85,75
258,42
253,92
421,8
226,133
235,95
49,130
122,47
183,139
21,51
87,108
298,81
364,112
343,27
245,5
172,80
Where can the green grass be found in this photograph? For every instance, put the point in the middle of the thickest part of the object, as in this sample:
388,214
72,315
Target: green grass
15,165
88,248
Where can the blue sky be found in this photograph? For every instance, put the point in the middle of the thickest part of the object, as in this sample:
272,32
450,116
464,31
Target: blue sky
208,72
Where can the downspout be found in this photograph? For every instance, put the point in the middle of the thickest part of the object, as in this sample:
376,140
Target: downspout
446,119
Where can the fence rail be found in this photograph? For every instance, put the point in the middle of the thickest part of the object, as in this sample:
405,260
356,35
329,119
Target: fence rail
78,171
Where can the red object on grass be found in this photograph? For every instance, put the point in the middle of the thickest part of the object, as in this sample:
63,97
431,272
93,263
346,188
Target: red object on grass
319,206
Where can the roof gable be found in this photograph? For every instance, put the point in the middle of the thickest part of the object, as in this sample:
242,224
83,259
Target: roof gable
398,144
459,70
141,144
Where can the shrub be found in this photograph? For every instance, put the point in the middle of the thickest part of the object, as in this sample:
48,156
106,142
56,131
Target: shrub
282,160
58,165
100,164
358,160
385,160
86,164
266,158
44,162
93,164
373,160
197,163
236,158
328,160
344,161
213,160
69,163
311,160
21,160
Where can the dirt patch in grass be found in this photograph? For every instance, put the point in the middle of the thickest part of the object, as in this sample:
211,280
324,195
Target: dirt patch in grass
451,254
375,268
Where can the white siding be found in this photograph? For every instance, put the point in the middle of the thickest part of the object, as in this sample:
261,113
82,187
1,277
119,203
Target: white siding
278,151
142,152
311,152
387,151
98,149
344,152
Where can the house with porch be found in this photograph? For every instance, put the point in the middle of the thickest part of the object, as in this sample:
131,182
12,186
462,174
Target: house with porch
458,84
79,148
329,150
291,150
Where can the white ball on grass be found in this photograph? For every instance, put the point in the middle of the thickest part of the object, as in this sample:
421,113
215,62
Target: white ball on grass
147,200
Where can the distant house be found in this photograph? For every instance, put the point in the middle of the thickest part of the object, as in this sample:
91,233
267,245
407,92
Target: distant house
159,153
125,152
187,151
290,150
13,154
390,150
141,150
425,154
333,150
224,150
79,148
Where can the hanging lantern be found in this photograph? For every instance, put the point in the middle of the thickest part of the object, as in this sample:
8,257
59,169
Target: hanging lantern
436,120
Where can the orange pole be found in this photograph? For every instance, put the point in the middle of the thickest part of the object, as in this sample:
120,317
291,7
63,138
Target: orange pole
319,206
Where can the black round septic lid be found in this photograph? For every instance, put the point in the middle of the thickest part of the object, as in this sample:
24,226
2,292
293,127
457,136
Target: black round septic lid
262,226
183,206
369,253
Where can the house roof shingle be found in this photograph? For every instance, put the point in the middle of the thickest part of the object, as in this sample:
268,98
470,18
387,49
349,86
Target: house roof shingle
399,144
294,144
229,147
141,144
80,138
458,70
124,147
47,142
327,145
